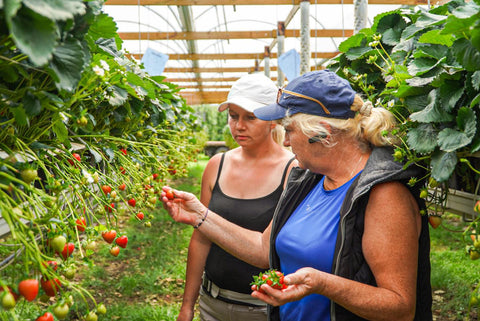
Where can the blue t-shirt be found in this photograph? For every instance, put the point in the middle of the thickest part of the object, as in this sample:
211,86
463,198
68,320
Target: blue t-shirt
308,240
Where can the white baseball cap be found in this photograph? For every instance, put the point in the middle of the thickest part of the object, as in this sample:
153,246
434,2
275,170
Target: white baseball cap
250,92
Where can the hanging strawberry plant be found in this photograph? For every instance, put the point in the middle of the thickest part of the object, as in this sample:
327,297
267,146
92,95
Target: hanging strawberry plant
85,137
423,66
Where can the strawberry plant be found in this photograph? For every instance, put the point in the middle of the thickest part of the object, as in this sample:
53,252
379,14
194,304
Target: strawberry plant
73,106
423,66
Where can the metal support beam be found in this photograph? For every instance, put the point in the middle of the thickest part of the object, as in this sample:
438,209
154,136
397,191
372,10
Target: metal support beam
305,36
185,14
360,15
280,51
266,61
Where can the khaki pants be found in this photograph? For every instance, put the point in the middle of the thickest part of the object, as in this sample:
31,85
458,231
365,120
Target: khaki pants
212,309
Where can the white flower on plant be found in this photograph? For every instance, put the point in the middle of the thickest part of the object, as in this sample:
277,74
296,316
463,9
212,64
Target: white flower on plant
87,176
104,64
99,71
64,117
391,103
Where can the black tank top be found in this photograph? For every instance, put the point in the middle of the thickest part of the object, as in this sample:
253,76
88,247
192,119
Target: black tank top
223,269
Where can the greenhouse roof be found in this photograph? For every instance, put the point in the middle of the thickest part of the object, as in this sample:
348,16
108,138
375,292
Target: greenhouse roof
211,43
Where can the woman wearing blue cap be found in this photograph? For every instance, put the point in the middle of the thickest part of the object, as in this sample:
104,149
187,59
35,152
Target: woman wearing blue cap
347,231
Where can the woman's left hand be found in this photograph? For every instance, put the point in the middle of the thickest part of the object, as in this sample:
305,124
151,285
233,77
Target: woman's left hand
303,282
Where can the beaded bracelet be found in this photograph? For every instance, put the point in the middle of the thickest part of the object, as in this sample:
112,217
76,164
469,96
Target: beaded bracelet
203,219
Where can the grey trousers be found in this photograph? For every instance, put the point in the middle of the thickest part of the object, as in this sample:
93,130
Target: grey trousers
212,309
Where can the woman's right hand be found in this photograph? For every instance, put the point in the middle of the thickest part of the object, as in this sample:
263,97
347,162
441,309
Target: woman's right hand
186,314
184,207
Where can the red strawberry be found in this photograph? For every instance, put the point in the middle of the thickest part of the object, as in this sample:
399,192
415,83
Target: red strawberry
435,220
115,251
29,289
124,151
81,224
106,189
122,187
51,287
109,236
68,250
46,317
51,264
110,207
155,176
140,216
76,157
132,202
122,241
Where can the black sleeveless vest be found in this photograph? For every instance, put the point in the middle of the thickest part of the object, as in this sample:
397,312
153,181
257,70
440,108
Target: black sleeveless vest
221,268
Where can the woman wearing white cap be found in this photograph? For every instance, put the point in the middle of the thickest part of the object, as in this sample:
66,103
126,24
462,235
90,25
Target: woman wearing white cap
348,230
243,185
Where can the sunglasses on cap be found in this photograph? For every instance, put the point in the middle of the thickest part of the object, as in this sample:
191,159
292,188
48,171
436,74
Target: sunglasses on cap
281,91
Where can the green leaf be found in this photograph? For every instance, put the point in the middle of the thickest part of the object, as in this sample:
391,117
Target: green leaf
56,9
466,121
458,26
351,42
358,52
67,63
103,27
475,38
429,19
108,46
31,104
436,37
404,45
467,10
20,115
110,153
420,66
422,139
11,8
389,20
411,31
59,128
443,164
431,113
392,36
416,102
118,96
97,157
450,92
466,54
475,101
476,80
38,145
430,51
451,140
420,81
34,35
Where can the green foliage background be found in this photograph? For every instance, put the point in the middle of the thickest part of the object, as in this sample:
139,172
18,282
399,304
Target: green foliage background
423,66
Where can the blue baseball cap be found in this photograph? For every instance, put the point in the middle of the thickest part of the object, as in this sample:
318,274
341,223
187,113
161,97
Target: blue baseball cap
320,92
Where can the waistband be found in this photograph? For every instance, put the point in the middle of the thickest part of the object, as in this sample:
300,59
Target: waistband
229,296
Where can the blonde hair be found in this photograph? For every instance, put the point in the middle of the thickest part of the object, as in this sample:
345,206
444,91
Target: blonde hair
370,126
278,134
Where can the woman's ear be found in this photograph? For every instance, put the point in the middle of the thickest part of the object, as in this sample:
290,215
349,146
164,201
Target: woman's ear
273,125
